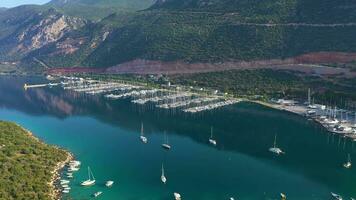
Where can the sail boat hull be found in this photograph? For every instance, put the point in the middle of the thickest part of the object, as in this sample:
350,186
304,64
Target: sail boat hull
88,183
91,179
166,146
163,179
143,139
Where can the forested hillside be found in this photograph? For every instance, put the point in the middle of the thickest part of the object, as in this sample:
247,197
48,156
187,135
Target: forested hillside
185,30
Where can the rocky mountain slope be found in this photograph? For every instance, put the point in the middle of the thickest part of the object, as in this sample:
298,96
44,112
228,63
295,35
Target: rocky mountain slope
33,30
177,30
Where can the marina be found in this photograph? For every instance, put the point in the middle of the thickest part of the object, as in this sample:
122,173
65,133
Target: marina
107,137
165,98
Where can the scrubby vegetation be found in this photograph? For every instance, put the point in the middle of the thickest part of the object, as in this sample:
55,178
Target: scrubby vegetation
267,83
26,164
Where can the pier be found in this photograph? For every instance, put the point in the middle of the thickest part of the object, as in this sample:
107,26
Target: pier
163,98
27,86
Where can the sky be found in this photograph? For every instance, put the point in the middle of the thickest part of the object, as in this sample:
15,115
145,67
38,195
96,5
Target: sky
14,3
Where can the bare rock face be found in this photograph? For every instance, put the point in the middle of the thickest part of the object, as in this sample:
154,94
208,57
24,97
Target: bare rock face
47,30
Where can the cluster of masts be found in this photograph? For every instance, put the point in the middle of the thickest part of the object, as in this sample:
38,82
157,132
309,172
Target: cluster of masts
335,120
162,98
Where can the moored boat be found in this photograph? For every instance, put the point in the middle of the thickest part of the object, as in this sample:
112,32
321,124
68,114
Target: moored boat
275,149
91,179
109,183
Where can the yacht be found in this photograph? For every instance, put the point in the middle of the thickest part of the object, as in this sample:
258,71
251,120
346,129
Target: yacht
163,178
91,179
66,191
275,149
142,137
166,145
109,183
211,140
64,182
347,165
96,194
336,196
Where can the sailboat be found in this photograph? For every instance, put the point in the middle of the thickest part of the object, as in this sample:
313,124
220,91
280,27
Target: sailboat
283,196
211,140
348,163
275,149
336,196
165,145
142,137
91,179
177,196
163,178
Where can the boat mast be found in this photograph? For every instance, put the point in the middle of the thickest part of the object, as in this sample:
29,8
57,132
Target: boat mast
141,128
92,175
162,170
89,173
275,141
211,132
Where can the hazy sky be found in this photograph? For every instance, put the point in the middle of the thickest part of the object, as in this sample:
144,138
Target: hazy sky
13,3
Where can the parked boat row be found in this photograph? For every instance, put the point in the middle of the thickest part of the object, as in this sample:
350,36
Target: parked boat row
73,166
211,106
195,101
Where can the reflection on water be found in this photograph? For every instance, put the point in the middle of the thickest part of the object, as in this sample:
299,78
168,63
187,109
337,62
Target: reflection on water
240,164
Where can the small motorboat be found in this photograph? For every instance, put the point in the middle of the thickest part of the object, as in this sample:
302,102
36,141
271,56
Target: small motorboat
109,183
96,194
336,196
64,182
66,191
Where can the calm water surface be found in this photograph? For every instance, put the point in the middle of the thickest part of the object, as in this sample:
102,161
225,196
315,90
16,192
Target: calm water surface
104,135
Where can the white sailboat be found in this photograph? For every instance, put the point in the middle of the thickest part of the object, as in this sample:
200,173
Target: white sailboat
336,196
91,179
211,140
177,196
163,177
142,137
347,165
96,194
283,196
275,149
165,144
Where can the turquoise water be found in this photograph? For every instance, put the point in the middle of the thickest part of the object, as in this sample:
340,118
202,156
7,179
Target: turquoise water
104,135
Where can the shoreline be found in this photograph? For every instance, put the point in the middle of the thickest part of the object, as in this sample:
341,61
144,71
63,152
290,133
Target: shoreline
55,192
299,110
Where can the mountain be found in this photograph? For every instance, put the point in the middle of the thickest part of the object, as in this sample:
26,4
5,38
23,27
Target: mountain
33,29
98,9
191,31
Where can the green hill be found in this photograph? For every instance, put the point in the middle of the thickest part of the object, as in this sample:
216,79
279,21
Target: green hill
26,164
